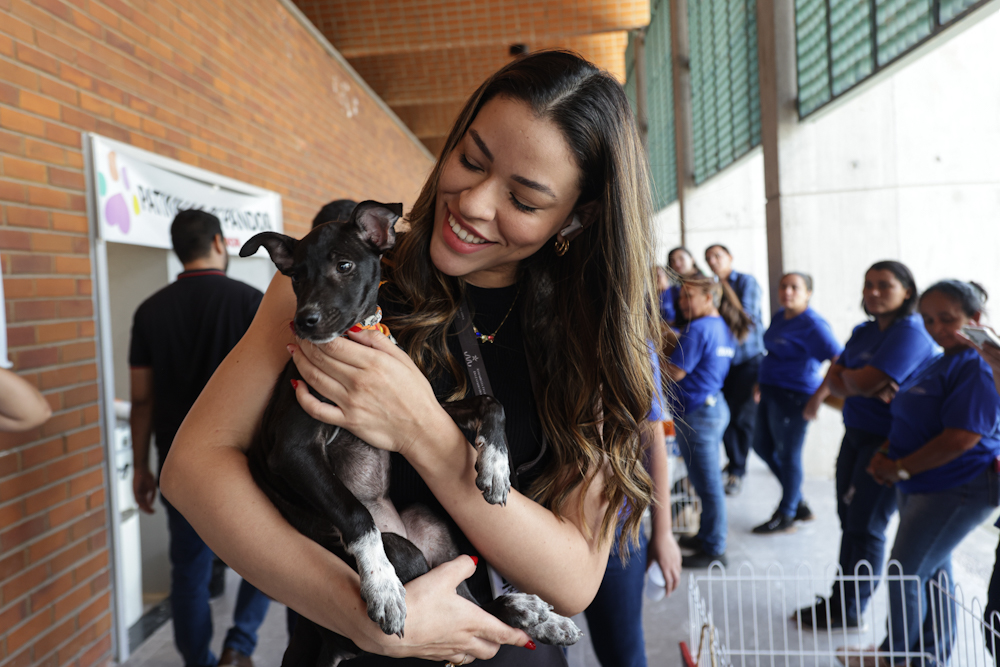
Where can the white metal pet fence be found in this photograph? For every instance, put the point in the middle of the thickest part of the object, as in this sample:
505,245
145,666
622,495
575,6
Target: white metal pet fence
748,619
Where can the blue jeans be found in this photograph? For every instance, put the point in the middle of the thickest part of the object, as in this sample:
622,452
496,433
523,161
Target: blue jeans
191,571
930,526
778,436
698,435
615,616
864,508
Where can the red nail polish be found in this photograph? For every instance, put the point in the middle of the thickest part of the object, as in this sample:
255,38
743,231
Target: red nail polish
356,328
295,384
530,645
290,348
475,561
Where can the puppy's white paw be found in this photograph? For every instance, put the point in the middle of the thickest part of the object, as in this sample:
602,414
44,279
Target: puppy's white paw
381,589
535,616
494,472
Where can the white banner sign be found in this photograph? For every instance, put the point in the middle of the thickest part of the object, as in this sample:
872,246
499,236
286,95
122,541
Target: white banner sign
138,194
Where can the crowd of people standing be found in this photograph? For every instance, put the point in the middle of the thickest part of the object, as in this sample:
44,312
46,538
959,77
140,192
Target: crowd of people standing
921,410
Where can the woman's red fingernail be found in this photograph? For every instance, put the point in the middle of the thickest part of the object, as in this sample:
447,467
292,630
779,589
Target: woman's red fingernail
356,328
530,645
295,384
290,348
475,561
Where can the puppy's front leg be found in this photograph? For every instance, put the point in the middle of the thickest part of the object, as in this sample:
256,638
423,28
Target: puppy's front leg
483,418
308,471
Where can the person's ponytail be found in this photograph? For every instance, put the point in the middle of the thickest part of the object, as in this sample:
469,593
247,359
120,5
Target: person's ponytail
731,311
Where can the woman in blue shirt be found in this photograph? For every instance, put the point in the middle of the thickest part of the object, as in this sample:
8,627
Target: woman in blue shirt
944,440
881,353
798,341
699,365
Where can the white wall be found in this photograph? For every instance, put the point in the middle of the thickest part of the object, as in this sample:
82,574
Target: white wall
906,168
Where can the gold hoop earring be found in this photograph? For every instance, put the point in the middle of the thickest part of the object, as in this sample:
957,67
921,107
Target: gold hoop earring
562,245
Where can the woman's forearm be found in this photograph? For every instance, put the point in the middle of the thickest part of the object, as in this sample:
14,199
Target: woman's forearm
538,552
212,487
943,449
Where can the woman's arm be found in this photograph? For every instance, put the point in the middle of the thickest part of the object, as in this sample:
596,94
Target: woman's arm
662,545
207,478
866,381
22,407
675,373
381,396
943,448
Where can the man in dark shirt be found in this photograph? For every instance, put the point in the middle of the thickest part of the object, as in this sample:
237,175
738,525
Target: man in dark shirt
741,383
179,337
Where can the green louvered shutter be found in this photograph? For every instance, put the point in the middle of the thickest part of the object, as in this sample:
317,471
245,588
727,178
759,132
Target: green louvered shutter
660,139
725,89
840,43
660,98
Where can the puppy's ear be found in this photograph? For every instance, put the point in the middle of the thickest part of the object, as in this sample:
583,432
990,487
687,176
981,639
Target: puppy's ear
377,222
278,246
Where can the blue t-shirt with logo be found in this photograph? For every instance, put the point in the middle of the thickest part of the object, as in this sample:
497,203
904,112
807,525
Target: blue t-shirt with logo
898,351
952,391
705,352
796,349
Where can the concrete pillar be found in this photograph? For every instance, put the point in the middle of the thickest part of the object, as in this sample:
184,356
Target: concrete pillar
683,124
778,111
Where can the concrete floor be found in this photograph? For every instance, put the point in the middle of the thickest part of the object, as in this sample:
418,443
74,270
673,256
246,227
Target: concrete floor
666,623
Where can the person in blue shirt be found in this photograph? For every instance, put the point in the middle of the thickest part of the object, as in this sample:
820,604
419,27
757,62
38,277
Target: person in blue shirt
880,355
699,365
944,440
614,618
681,263
741,383
798,341
991,612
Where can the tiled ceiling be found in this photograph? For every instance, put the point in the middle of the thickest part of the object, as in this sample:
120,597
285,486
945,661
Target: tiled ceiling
425,57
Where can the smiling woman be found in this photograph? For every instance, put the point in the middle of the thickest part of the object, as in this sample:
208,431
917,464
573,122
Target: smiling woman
534,226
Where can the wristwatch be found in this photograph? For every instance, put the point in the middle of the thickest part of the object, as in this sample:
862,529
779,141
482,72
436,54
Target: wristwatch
902,472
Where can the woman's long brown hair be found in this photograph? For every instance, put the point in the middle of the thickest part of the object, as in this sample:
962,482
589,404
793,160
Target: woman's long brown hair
588,314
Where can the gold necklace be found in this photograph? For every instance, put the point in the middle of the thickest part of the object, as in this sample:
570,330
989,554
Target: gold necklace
488,338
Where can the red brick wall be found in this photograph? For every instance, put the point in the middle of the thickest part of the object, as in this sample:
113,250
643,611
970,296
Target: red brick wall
239,88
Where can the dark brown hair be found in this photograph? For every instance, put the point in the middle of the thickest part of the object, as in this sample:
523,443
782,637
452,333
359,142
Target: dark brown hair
588,314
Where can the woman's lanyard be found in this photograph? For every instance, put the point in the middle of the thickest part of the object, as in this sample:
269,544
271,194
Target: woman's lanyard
476,370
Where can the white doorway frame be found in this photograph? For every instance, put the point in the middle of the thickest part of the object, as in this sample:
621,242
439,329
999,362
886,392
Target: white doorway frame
105,358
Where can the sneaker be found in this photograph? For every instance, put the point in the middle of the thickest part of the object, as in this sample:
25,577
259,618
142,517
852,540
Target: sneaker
689,542
779,523
701,559
233,658
803,513
815,616
734,484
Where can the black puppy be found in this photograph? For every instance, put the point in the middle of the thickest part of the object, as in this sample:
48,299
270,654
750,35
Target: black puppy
332,486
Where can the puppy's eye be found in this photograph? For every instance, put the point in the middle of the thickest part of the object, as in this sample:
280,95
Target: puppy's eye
294,276
344,267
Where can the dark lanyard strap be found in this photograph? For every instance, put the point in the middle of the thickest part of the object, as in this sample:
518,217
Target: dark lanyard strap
476,370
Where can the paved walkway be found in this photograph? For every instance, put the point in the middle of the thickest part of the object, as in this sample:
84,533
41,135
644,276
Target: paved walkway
666,621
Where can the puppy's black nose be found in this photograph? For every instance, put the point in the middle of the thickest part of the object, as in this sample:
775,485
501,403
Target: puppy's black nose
307,320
